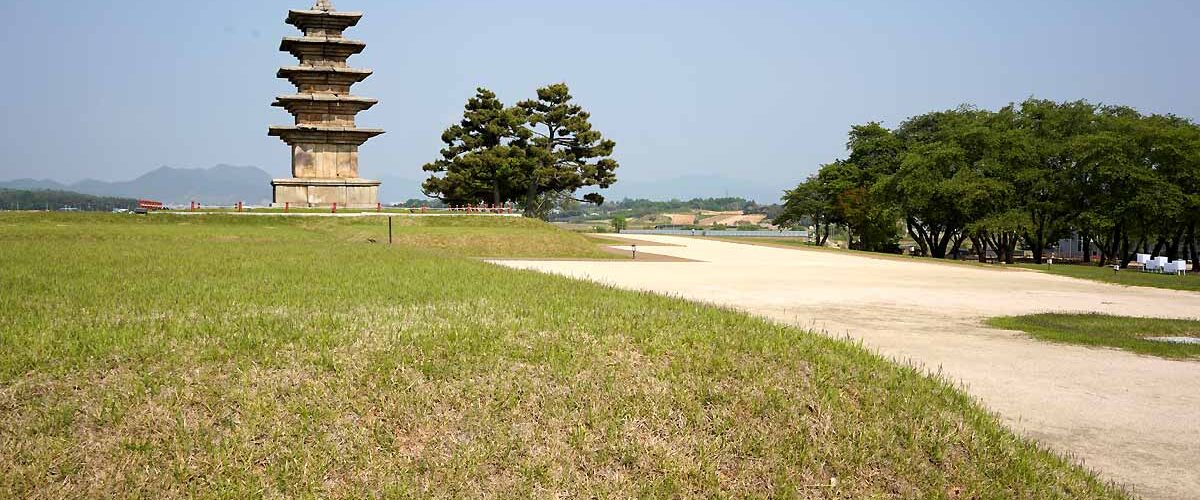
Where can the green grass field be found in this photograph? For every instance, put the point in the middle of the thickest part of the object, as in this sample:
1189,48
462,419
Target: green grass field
227,356
1127,277
1108,331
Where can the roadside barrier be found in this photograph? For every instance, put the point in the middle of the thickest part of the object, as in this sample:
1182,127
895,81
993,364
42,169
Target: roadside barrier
506,208
335,208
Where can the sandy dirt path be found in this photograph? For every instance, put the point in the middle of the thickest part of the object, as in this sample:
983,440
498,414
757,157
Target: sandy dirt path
1135,419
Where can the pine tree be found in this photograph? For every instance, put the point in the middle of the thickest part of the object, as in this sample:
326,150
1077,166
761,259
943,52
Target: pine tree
567,153
485,155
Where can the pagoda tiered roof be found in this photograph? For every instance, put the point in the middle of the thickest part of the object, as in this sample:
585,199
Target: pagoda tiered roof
323,79
344,106
323,134
306,48
332,20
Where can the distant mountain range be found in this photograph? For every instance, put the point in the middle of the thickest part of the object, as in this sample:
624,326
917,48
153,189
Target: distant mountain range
220,185
227,185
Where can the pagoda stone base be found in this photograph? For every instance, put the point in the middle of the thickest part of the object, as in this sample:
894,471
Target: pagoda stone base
347,193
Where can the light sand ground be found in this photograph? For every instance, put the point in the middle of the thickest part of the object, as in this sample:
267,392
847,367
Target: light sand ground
1134,418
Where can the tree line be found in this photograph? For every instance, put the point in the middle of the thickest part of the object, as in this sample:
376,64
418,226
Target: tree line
640,207
537,154
19,199
1027,175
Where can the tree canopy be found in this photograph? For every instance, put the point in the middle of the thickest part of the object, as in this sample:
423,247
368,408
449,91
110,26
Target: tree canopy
1027,174
538,153
484,157
569,154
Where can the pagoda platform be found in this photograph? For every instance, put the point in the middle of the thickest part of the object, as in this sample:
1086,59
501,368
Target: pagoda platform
312,193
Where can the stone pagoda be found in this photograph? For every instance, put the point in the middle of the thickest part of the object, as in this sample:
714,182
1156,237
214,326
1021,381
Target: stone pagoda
324,139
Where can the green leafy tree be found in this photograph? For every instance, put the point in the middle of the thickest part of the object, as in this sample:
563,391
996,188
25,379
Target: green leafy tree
619,223
1171,150
1045,175
1030,173
939,179
1133,204
566,154
485,157
808,203
853,185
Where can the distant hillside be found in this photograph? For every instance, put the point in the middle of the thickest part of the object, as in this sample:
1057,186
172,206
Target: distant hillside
14,199
219,185
696,186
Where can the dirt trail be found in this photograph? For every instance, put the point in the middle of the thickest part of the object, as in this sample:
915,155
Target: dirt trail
1134,418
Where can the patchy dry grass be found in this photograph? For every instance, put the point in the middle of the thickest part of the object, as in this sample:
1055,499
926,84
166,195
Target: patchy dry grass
235,357
1108,331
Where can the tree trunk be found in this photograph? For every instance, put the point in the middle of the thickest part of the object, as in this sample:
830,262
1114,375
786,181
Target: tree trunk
1108,249
1195,244
496,192
1174,246
531,195
918,233
1005,244
531,198
941,241
1036,239
1160,247
1126,250
956,247
980,244
1038,242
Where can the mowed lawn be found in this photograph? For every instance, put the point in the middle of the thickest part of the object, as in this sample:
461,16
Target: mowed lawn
1099,330
225,356
1127,277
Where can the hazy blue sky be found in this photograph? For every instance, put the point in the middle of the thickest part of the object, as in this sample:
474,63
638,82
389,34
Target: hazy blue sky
758,89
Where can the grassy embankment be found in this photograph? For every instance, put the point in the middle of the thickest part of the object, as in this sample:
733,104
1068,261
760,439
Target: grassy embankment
247,356
1108,331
